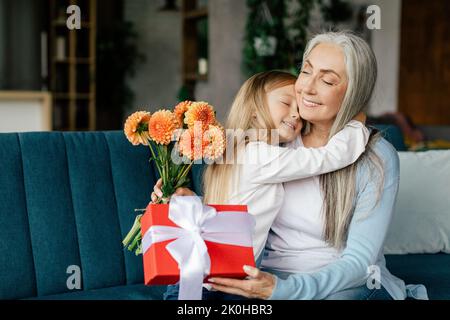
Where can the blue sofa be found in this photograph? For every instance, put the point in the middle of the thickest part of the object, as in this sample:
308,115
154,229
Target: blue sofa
68,199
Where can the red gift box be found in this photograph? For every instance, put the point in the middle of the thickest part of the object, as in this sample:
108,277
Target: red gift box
160,268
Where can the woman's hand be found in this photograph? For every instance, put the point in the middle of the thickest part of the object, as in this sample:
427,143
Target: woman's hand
259,284
157,193
361,117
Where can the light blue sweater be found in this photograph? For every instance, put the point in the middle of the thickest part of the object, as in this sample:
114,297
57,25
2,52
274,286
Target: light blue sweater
364,246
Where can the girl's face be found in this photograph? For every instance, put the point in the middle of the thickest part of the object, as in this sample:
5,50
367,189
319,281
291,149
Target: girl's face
322,83
284,112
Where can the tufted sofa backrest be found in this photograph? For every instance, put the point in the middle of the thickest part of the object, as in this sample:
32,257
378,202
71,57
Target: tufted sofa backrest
68,199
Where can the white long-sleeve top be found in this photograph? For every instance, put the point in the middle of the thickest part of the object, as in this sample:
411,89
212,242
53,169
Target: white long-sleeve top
258,181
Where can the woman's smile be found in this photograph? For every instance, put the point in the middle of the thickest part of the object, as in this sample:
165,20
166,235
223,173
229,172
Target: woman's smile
310,103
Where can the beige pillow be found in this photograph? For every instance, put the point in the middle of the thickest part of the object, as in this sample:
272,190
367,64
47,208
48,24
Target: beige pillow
421,220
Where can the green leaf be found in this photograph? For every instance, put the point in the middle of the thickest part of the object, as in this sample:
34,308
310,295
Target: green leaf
183,182
168,190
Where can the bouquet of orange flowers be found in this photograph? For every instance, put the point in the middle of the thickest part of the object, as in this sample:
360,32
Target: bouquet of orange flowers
176,140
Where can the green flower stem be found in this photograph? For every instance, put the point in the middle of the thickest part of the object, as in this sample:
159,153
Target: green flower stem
179,173
185,171
135,229
136,242
166,162
163,177
154,157
163,155
139,249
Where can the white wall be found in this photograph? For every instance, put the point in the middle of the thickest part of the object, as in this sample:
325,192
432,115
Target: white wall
24,111
226,39
386,45
158,80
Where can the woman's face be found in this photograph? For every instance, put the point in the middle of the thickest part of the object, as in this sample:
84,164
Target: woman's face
284,112
321,85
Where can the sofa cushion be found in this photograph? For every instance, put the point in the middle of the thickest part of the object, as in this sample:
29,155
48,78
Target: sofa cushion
69,200
393,134
128,292
431,270
17,275
133,177
421,220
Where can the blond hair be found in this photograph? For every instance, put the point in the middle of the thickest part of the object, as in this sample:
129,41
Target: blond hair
249,110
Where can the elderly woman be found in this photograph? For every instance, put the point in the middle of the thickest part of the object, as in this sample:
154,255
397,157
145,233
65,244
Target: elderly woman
327,240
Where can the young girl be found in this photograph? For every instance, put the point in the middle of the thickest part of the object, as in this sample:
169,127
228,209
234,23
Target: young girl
266,102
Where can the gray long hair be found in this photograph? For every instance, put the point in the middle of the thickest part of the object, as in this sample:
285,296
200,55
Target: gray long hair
339,187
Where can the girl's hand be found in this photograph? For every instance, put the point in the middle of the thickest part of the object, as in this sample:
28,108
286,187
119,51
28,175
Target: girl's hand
258,284
157,193
361,117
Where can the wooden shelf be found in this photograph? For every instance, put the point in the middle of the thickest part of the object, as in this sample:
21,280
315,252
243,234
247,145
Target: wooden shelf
195,43
72,96
196,14
195,77
72,78
74,60
59,24
78,129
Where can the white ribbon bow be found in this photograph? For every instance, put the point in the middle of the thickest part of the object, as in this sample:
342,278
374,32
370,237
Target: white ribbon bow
198,223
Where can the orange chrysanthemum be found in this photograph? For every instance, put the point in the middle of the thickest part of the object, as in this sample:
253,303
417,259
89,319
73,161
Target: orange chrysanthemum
180,110
213,143
200,111
161,126
136,128
190,144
